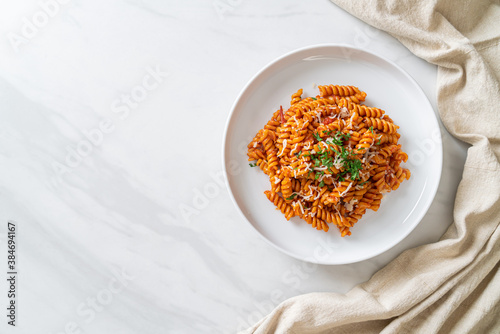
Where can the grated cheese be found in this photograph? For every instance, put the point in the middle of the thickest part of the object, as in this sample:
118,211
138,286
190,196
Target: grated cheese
318,115
301,208
337,209
283,150
337,163
344,112
350,121
346,190
324,144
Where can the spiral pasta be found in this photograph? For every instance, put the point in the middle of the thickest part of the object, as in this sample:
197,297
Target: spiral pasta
329,158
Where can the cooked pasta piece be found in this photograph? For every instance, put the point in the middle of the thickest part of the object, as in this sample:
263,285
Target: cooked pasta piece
329,158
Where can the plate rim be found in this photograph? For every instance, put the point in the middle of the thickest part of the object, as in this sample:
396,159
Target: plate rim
439,147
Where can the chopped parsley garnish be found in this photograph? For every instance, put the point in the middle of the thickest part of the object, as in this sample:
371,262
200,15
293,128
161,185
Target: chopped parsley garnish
298,154
353,166
379,141
322,184
252,165
314,98
371,129
291,197
343,136
339,138
342,155
335,141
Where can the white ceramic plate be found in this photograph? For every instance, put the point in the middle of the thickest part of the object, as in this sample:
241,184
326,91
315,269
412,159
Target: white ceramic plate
388,87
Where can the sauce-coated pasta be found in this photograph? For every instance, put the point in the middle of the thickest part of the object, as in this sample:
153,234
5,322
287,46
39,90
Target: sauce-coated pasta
329,158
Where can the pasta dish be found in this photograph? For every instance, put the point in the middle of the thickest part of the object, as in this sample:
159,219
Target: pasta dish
329,158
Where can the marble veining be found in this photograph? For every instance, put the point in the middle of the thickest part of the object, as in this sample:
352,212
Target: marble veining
111,126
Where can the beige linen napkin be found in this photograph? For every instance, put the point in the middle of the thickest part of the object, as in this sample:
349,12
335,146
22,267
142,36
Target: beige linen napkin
452,286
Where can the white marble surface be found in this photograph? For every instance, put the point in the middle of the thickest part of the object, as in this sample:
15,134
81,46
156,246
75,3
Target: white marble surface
152,82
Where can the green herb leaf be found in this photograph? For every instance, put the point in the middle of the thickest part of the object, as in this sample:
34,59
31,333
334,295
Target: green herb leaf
318,138
353,166
314,98
291,197
252,165
322,184
342,136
